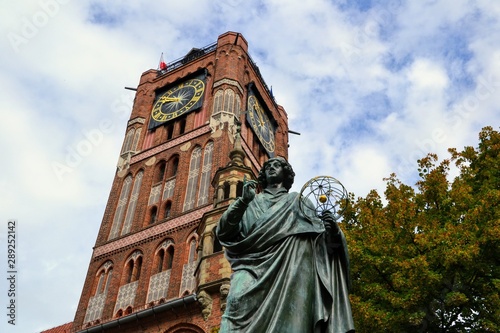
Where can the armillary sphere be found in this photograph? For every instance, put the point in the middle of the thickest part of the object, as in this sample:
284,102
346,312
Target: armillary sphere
323,193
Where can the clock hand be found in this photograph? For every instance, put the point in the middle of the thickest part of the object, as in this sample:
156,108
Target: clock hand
259,113
165,99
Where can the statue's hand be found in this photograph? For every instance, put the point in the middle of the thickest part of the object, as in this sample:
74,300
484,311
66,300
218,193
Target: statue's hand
249,191
332,231
329,221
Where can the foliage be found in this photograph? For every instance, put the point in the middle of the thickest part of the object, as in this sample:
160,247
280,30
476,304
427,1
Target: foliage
427,258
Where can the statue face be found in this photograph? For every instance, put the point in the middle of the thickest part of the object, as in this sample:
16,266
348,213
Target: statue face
274,172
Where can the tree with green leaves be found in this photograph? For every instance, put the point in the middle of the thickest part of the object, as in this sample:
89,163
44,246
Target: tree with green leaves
427,258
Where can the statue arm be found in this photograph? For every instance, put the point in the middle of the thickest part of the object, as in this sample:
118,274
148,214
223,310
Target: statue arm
230,222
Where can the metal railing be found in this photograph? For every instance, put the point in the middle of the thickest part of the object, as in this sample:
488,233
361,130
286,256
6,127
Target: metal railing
198,53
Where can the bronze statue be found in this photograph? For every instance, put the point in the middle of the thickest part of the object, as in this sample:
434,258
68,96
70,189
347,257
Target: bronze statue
290,268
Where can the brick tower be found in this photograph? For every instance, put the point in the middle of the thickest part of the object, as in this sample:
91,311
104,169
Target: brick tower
198,128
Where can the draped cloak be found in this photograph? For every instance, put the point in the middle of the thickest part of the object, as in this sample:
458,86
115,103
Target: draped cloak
284,280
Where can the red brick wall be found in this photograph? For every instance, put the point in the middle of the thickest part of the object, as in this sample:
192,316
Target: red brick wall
232,63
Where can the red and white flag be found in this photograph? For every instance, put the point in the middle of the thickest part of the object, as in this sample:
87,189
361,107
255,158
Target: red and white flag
162,66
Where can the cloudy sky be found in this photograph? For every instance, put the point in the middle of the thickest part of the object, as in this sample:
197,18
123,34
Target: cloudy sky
371,86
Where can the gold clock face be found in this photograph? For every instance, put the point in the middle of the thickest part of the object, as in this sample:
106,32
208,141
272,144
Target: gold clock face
178,100
261,124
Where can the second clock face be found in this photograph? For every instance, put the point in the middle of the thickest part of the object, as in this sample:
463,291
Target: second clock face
178,100
261,124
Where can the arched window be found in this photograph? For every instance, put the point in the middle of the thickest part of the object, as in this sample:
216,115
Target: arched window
169,259
129,140
129,217
206,171
226,101
128,288
164,256
192,250
174,165
168,208
159,282
182,126
218,99
170,130
137,136
159,172
101,285
158,176
153,215
168,188
188,282
229,100
194,172
133,268
160,258
129,268
120,208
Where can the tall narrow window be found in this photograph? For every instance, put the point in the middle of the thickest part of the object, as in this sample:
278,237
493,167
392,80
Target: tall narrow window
205,174
153,215
192,250
129,217
229,100
174,166
188,282
129,140
182,126
160,258
137,136
169,259
170,131
218,99
128,271
168,208
194,170
120,208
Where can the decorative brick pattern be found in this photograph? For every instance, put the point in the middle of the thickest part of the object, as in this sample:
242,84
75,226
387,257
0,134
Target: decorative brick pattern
126,296
158,286
94,310
168,190
154,196
188,282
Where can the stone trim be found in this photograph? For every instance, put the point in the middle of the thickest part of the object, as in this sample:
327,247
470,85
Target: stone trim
229,82
136,120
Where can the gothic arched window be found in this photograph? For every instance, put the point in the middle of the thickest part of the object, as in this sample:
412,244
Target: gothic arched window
192,184
206,172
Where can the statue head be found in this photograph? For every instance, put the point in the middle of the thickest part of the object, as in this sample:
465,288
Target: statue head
289,175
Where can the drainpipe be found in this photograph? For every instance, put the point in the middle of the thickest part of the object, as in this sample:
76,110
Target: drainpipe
134,317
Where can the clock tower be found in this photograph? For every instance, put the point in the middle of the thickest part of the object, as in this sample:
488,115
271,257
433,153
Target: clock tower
197,129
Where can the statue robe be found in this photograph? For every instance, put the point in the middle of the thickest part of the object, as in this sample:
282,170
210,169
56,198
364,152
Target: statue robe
283,280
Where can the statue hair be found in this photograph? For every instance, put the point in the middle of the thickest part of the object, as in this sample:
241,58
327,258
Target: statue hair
289,175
